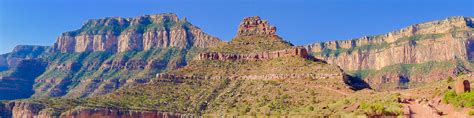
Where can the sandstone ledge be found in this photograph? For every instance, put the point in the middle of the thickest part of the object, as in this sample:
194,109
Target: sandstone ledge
293,52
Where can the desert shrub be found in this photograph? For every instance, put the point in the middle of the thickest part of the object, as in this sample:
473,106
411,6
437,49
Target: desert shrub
471,113
461,100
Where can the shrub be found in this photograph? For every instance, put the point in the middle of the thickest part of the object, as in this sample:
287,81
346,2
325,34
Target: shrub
461,100
471,113
450,79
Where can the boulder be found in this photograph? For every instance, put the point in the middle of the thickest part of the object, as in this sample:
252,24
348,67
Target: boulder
462,86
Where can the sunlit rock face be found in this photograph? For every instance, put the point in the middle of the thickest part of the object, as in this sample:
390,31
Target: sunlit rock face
444,40
134,34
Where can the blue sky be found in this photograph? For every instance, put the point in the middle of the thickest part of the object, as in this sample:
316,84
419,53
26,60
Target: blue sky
39,22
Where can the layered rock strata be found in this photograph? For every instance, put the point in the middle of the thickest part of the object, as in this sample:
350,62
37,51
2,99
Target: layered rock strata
134,34
293,52
447,39
36,110
255,26
20,53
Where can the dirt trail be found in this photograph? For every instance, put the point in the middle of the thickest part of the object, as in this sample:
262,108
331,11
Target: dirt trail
331,89
323,87
425,110
421,111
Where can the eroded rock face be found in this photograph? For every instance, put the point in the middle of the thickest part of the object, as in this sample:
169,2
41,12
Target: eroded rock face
134,34
22,52
436,41
295,52
19,82
255,26
419,43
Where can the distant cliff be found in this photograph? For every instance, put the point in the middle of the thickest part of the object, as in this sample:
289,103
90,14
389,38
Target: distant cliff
134,34
22,52
444,40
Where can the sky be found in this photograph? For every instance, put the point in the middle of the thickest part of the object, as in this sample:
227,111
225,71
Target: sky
40,22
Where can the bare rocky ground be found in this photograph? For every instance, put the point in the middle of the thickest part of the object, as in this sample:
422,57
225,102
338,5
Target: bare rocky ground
426,102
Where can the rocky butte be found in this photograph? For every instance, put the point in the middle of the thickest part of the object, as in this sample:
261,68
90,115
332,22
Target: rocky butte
102,56
134,34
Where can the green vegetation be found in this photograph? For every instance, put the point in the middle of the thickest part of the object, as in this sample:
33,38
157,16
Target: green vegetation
461,100
76,73
212,97
417,38
244,45
116,26
373,103
407,69
286,65
471,112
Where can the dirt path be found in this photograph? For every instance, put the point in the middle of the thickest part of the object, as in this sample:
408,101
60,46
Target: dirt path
424,110
421,111
323,87
331,89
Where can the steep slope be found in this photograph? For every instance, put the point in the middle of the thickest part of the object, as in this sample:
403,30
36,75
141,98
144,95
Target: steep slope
17,83
134,34
22,52
274,78
420,53
103,56
18,70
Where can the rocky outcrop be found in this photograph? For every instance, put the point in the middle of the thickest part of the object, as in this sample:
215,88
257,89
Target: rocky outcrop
255,26
462,86
447,39
20,109
295,52
134,34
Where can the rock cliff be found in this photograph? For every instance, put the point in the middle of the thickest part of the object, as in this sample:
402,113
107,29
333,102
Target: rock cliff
134,34
18,83
255,26
443,40
22,52
295,52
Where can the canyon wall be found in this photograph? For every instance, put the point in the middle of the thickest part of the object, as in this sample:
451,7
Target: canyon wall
423,52
134,34
432,41
18,83
22,52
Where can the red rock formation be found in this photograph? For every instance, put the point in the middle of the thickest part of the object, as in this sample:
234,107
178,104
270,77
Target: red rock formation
36,110
255,26
293,52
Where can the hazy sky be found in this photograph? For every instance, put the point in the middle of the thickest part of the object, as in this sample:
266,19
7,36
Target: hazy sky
39,22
